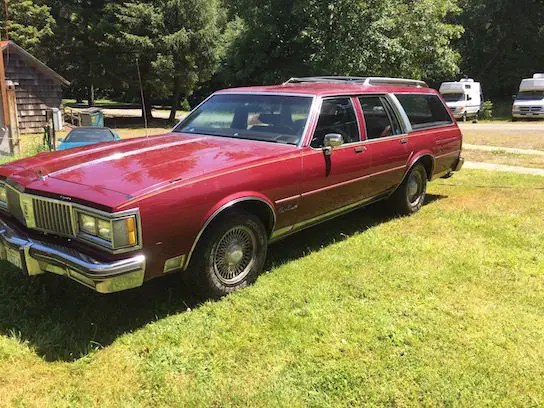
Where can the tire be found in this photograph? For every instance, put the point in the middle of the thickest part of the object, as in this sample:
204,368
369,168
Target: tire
410,195
230,255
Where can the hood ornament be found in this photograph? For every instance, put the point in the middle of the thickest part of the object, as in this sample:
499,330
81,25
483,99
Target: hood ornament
41,176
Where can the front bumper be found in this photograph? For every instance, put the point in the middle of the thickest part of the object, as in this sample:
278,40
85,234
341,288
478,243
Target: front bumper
527,115
35,257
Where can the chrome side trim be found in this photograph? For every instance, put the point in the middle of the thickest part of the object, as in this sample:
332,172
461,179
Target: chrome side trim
351,181
219,211
285,232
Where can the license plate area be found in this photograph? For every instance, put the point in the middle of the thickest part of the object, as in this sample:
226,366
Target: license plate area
13,256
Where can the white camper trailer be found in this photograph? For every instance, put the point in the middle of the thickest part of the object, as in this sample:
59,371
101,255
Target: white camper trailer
464,98
529,102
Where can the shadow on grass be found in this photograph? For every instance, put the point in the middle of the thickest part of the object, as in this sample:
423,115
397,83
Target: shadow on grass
64,321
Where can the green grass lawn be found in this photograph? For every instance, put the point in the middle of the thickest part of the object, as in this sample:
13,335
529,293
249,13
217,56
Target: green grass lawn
445,308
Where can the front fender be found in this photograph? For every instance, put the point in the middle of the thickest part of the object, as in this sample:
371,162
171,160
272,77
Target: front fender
225,204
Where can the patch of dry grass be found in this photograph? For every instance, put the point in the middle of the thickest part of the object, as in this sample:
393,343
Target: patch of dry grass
502,157
526,139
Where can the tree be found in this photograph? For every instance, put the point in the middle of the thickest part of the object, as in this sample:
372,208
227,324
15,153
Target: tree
29,24
80,52
284,38
177,43
191,41
502,42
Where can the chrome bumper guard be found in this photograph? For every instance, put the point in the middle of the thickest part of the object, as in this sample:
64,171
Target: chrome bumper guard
459,164
35,258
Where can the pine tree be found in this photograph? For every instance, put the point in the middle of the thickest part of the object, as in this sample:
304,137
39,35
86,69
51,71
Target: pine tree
29,24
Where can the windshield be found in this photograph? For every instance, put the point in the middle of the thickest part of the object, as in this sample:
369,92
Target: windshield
453,97
89,135
269,118
530,95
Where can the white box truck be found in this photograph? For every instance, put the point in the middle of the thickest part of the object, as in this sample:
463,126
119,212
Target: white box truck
529,102
464,98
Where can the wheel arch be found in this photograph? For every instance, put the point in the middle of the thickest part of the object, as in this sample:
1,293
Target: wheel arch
426,159
254,203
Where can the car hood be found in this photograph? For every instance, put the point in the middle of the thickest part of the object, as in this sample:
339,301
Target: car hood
134,167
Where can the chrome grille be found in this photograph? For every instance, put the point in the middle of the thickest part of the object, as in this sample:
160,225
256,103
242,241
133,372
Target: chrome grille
530,108
14,204
52,216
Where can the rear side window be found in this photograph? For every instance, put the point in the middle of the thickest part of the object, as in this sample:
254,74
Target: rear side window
424,111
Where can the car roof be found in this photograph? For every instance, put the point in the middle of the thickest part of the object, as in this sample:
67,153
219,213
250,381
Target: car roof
328,89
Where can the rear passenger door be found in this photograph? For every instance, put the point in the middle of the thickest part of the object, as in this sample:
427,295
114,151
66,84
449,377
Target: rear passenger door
386,142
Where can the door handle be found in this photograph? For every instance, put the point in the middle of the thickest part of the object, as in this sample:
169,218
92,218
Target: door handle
403,141
360,149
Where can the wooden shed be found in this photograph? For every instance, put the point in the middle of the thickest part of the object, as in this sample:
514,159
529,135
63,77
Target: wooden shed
37,87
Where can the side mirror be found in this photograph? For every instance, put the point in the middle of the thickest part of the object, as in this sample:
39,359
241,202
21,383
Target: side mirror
60,139
331,141
469,98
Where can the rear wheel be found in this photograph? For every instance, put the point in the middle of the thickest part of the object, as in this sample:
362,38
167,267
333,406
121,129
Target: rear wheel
410,195
229,256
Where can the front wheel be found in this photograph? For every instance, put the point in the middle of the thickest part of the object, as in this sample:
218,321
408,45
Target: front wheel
410,195
229,256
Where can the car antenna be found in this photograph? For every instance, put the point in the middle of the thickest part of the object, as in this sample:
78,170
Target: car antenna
142,95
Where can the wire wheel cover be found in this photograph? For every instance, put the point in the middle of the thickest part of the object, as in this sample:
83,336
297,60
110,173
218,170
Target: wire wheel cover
234,254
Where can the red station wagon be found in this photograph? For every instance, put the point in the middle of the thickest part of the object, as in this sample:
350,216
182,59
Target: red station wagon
247,167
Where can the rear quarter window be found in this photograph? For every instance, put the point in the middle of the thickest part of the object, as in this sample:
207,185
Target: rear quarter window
424,111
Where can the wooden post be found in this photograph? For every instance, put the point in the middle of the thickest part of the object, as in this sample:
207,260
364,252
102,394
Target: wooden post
13,123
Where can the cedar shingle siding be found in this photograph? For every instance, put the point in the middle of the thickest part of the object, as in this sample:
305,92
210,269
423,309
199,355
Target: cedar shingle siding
35,93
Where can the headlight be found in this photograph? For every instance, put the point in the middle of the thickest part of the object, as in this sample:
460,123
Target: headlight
114,233
87,224
3,195
104,229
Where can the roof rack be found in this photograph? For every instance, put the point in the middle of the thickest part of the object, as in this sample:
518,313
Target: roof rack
371,81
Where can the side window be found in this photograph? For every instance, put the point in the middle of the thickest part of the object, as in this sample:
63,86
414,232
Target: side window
380,118
424,111
337,116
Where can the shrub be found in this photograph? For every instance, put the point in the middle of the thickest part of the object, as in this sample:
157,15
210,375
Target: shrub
487,111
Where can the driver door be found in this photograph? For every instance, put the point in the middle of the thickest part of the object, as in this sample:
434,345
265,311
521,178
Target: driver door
330,182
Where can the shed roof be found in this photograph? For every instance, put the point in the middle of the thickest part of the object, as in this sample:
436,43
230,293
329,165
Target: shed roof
35,62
